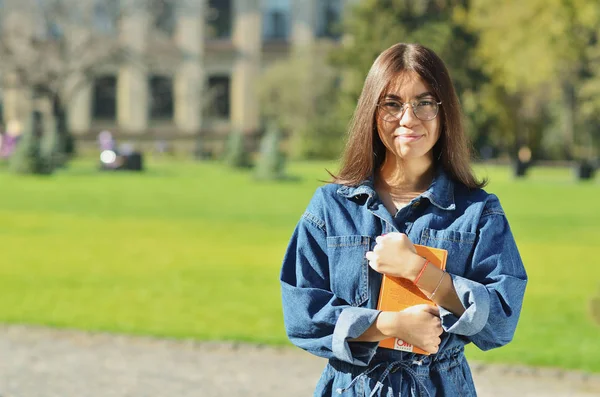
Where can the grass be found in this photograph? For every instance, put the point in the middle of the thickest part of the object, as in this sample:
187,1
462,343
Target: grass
556,222
194,249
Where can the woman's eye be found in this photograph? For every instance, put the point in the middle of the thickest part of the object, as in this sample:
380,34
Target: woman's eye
392,105
425,103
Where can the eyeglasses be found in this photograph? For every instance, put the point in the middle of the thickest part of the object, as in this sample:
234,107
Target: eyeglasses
424,109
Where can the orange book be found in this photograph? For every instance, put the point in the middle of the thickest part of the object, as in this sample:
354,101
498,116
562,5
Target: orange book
398,293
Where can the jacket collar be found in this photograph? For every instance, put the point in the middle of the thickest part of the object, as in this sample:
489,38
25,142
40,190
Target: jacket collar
440,193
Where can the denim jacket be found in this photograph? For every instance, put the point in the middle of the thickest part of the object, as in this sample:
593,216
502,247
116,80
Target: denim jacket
330,293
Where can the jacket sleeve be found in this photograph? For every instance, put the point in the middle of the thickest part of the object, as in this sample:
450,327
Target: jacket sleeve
493,286
316,320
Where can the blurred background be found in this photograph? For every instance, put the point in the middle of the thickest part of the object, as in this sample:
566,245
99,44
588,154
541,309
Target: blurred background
233,109
182,75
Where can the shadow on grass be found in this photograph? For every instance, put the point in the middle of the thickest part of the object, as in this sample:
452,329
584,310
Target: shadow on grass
96,172
281,179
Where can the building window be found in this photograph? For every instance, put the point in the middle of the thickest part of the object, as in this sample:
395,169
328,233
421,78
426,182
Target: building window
106,15
219,18
163,14
105,98
329,14
161,98
275,25
218,94
276,19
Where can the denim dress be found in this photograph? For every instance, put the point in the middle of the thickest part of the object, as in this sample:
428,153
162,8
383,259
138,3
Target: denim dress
330,293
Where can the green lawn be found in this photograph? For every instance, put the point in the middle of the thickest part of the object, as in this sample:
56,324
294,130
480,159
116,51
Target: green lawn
194,250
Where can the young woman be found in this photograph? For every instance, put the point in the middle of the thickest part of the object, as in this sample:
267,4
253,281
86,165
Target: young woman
405,179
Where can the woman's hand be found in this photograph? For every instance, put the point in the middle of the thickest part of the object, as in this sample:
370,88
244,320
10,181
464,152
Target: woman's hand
395,255
418,325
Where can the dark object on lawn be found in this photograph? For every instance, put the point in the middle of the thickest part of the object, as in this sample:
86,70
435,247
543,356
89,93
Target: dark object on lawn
520,168
584,170
111,161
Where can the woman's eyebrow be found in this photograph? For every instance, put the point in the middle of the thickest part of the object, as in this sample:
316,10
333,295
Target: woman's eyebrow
424,95
420,96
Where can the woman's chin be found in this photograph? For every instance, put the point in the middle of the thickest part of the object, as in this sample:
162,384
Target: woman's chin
409,153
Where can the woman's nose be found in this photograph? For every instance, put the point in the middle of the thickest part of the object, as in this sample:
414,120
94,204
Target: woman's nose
408,118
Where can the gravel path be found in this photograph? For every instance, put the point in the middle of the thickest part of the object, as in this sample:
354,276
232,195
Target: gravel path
42,362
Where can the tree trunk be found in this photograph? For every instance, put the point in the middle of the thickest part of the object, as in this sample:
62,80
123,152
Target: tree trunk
568,99
519,165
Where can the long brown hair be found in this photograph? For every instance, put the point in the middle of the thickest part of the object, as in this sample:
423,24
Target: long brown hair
364,152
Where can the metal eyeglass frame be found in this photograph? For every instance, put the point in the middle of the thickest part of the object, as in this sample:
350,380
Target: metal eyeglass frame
412,106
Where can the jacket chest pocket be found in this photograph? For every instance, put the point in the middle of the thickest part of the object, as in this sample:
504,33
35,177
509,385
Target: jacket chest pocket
459,245
349,268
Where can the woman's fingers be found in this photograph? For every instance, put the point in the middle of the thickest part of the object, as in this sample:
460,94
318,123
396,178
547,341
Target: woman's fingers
433,348
424,307
373,259
393,236
433,309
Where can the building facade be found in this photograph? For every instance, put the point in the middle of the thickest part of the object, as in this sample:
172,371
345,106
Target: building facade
207,57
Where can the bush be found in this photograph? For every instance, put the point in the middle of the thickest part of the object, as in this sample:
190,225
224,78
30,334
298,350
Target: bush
236,154
271,162
33,154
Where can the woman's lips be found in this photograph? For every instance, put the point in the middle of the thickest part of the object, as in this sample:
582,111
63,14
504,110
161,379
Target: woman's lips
408,137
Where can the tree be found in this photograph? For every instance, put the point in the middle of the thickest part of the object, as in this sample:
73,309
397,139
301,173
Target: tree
544,62
374,25
34,152
298,94
588,98
236,154
270,164
51,48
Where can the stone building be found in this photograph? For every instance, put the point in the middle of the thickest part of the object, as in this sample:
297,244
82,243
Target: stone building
208,55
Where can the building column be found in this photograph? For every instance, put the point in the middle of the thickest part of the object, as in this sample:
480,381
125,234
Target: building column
247,41
132,82
189,77
16,100
17,104
76,94
79,109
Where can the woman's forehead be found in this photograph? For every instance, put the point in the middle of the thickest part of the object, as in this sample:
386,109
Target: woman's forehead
406,85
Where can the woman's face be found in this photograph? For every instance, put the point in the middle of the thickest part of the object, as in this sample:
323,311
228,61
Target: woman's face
407,137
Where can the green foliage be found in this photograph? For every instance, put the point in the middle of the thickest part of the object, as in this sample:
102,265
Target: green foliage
299,93
236,153
523,69
544,55
45,144
324,137
372,26
33,154
270,164
149,254
549,43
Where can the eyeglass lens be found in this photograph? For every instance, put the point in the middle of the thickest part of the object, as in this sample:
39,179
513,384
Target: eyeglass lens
424,110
